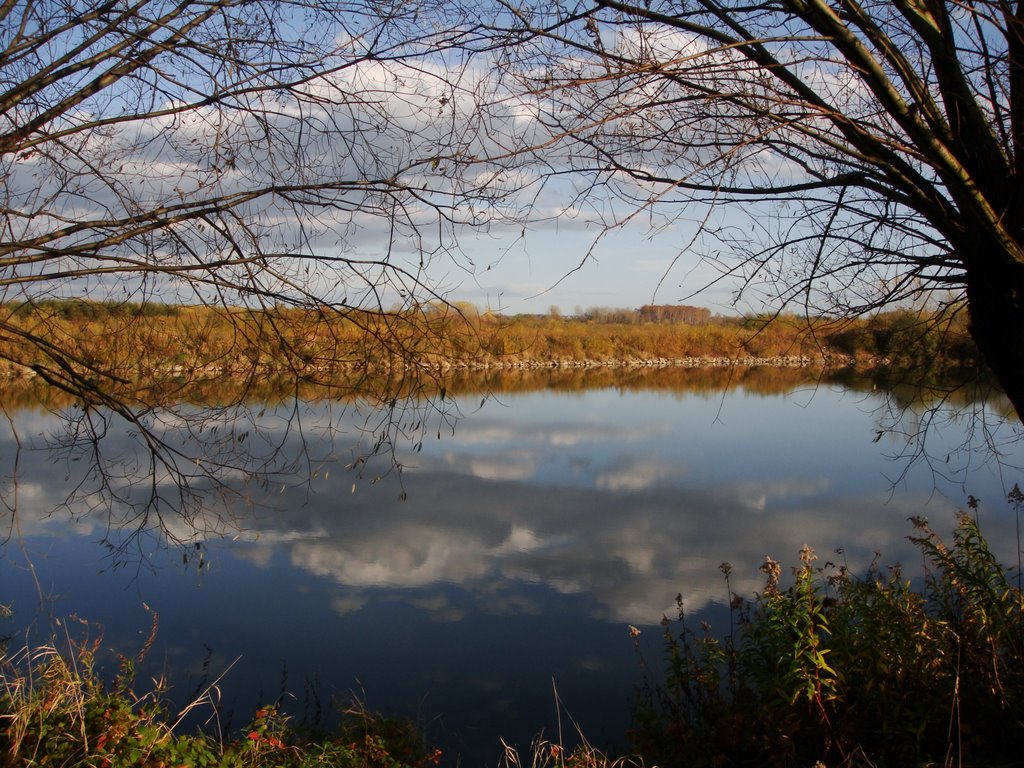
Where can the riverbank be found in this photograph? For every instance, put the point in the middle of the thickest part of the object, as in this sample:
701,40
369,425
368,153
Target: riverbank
240,369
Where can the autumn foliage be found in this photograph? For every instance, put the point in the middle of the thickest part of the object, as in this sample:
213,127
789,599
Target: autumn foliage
147,347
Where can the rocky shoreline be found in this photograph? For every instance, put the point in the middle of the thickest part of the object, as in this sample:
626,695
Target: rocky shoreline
787,361
512,363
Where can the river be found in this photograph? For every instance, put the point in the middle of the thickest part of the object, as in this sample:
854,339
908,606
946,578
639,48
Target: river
504,566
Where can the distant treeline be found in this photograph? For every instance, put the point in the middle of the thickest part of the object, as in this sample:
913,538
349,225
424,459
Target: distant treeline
649,313
670,313
82,309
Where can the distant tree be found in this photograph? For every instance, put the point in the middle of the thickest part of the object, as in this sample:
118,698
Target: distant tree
610,315
673,313
876,148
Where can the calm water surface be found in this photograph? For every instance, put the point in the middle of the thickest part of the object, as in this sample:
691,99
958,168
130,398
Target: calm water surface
531,537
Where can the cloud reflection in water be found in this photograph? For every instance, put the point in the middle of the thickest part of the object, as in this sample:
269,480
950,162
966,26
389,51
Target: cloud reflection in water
628,551
529,540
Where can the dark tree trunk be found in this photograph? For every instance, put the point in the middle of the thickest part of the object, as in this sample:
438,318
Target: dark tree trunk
996,301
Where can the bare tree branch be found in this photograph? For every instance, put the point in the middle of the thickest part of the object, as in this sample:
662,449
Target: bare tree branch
875,145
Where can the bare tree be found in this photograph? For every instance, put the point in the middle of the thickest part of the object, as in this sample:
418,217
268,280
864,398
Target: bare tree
876,149
247,155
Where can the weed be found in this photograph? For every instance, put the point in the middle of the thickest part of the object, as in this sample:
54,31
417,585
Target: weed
56,711
849,670
549,754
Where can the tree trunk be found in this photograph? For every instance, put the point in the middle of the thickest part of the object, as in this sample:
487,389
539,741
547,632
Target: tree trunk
995,296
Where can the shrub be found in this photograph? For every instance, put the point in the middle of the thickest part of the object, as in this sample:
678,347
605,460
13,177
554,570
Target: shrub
850,670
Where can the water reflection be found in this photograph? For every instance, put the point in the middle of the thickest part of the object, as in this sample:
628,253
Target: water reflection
629,551
528,540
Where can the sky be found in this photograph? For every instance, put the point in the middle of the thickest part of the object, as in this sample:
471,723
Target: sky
476,213
551,242
553,266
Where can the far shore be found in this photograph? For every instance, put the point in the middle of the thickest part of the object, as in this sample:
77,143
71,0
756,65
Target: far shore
513,363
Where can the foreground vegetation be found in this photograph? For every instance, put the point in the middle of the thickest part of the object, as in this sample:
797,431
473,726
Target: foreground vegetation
56,710
835,669
853,671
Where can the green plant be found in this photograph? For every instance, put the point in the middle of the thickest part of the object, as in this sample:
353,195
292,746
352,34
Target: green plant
867,670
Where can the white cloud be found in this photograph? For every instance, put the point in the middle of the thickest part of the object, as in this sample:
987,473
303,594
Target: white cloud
439,608
636,476
344,605
511,465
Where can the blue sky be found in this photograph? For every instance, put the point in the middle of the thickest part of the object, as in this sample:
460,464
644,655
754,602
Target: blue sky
550,266
452,131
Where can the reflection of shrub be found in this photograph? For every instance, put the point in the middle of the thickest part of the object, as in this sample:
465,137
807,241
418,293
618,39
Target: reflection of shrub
852,671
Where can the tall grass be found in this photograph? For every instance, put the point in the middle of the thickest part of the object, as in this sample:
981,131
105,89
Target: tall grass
55,710
137,349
